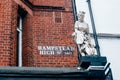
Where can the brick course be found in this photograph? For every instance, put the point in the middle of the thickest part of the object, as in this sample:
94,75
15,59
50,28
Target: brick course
8,23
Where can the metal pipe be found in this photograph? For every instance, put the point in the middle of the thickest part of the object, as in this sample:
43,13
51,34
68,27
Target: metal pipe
94,29
19,29
74,10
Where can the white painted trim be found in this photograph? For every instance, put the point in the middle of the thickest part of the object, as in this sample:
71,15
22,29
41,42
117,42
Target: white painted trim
19,29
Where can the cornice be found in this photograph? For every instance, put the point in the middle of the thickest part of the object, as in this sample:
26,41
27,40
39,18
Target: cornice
41,7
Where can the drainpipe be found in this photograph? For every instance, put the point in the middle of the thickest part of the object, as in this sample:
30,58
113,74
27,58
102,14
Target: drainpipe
94,29
19,29
74,10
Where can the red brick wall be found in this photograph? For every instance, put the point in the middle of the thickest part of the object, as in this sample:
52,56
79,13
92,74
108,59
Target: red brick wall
8,17
49,28
49,2
43,28
28,58
62,3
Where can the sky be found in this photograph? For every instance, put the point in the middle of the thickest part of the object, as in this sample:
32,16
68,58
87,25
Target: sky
106,14
107,20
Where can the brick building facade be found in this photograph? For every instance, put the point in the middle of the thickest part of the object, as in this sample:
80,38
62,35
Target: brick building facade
37,33
8,23
47,26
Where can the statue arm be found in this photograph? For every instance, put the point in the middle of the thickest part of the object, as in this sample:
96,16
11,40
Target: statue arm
76,26
87,29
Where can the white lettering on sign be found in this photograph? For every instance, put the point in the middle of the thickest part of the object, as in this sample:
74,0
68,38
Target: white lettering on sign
55,50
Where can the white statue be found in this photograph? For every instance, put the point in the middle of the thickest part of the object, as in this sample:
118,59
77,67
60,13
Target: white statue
82,37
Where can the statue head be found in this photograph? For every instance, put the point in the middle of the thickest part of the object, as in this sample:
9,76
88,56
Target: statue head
81,15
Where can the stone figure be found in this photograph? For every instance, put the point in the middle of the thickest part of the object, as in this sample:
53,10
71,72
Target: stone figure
81,37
